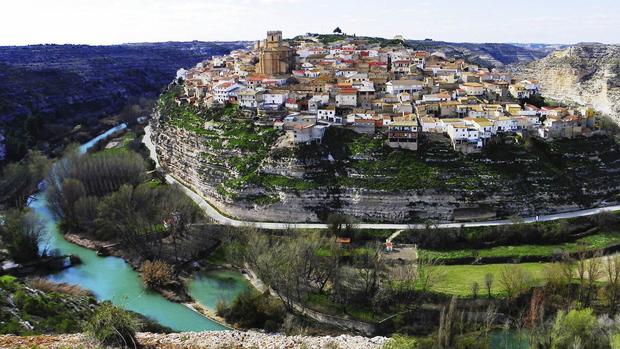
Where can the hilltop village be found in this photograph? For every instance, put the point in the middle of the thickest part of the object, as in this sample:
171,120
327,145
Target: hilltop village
305,85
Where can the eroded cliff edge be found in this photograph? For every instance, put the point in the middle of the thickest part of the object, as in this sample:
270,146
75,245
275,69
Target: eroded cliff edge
247,173
586,74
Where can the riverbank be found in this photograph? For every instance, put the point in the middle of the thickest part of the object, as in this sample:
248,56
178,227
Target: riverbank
220,339
178,294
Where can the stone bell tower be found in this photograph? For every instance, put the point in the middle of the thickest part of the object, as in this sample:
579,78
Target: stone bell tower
275,56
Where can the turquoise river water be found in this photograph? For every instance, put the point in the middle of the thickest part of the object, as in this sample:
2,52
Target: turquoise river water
110,278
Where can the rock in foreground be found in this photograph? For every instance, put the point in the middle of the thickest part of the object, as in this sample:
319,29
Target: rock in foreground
225,339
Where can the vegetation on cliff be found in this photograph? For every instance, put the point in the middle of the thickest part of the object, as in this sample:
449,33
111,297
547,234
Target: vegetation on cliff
42,307
248,163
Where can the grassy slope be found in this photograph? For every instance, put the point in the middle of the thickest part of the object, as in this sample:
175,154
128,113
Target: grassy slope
457,279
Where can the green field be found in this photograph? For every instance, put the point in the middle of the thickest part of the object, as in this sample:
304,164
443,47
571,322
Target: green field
592,242
457,279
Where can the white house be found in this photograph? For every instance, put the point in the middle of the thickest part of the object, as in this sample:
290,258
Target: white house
486,128
473,88
437,97
464,138
505,124
317,101
307,133
327,114
395,87
366,115
225,91
275,98
429,124
249,98
346,97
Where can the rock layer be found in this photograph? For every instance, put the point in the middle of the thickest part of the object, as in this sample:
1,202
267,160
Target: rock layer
585,74
181,153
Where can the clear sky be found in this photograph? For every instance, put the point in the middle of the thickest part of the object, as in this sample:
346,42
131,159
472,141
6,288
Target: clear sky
121,21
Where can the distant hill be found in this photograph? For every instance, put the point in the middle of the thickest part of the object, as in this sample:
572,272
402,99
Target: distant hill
487,54
69,82
65,85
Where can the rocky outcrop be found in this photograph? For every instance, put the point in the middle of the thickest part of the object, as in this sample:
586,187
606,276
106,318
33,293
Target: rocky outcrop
532,190
224,339
587,74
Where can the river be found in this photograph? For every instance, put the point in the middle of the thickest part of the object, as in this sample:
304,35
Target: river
110,278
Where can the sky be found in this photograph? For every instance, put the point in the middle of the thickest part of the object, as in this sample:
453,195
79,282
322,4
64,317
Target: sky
104,22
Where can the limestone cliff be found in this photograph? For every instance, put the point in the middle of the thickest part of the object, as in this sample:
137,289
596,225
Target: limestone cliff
241,170
586,74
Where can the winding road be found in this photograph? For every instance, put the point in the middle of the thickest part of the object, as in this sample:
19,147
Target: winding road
218,217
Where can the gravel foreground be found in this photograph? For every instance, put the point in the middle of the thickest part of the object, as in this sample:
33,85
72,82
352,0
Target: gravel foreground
196,340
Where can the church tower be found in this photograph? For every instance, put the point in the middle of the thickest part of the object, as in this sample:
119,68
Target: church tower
275,56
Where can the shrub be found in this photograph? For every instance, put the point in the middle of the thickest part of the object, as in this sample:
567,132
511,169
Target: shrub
48,286
254,310
8,282
113,326
576,327
157,273
401,342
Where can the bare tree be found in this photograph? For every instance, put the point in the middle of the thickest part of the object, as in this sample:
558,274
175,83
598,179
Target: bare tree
447,325
488,283
589,270
581,265
515,281
370,266
611,291
475,287
595,272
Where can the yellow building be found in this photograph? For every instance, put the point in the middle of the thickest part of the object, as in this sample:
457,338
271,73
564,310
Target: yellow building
275,57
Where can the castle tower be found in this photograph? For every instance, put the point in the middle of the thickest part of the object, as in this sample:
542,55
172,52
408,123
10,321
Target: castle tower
275,57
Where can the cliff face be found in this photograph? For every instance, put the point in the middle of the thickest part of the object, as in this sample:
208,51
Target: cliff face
285,189
586,74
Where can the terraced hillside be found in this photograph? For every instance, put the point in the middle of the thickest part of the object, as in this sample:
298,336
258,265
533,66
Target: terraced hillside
243,169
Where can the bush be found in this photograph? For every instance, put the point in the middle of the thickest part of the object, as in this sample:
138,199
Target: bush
254,310
576,327
8,282
157,273
113,326
48,286
401,342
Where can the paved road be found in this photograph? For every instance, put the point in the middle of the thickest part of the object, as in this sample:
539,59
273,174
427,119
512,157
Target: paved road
217,217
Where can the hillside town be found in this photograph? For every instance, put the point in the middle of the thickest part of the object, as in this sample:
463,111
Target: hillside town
303,86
